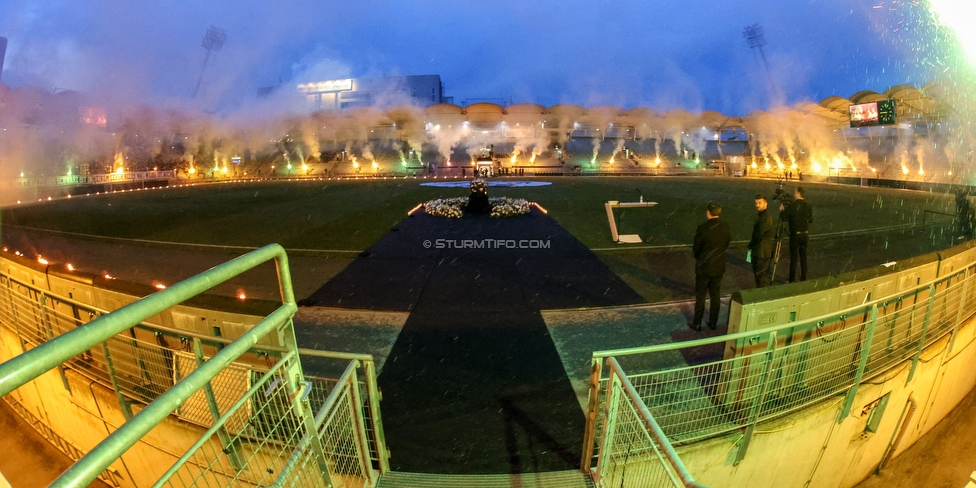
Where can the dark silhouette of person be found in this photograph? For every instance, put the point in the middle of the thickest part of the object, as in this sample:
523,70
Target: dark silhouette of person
799,216
761,244
963,211
712,238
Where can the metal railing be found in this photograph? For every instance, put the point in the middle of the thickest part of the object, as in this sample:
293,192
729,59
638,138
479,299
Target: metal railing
709,387
636,453
211,381
67,180
146,360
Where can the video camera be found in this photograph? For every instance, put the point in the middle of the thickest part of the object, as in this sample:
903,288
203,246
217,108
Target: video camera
785,198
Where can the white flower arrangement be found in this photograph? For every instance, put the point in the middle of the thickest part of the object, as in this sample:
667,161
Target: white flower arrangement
508,207
479,185
453,208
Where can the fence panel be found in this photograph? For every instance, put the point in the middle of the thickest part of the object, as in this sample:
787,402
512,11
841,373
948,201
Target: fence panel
634,450
272,446
782,369
258,409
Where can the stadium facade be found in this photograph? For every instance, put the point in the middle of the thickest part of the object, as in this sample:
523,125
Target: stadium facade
417,90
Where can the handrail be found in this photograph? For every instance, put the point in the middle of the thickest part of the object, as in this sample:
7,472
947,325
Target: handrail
27,366
776,328
191,334
653,428
108,324
208,435
113,446
334,394
31,364
264,347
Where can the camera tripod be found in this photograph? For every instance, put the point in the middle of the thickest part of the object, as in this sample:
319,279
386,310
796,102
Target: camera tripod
782,228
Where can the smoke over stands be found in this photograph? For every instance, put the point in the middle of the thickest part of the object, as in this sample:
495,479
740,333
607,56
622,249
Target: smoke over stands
44,136
128,110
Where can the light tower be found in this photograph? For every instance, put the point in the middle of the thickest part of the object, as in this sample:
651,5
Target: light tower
756,39
3,52
213,41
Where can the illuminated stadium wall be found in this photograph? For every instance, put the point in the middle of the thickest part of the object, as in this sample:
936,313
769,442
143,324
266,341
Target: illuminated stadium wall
419,90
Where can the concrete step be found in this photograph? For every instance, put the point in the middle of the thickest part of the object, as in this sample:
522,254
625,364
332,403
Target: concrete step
552,479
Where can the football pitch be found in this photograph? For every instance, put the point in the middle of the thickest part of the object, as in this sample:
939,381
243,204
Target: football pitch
353,214
314,217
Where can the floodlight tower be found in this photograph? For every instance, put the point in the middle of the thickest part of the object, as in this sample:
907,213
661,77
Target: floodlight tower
756,39
213,41
3,52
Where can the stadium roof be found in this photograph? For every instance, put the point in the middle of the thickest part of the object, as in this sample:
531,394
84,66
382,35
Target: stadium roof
929,104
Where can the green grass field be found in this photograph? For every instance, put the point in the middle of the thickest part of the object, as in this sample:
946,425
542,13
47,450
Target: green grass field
351,215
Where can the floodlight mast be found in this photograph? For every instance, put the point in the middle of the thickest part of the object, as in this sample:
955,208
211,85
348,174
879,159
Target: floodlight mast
213,41
756,39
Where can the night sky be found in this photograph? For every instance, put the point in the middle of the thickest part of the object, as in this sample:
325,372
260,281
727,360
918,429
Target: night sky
687,54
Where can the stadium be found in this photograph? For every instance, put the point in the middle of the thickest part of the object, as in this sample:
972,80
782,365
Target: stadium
443,139
275,301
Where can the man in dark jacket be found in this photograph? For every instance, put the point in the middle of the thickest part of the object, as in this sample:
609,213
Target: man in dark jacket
711,240
799,216
761,244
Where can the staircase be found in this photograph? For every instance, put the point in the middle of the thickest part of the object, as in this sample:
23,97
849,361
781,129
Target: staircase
552,479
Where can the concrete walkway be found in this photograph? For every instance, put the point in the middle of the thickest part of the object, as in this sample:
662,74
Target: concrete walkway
943,458
474,383
28,460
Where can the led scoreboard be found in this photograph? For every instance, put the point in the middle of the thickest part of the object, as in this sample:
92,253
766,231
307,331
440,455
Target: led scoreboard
881,112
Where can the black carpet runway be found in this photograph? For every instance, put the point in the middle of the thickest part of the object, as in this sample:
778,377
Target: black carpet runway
473,383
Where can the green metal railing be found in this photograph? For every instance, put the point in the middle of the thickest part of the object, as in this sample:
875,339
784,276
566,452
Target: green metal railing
709,387
171,371
149,359
636,453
